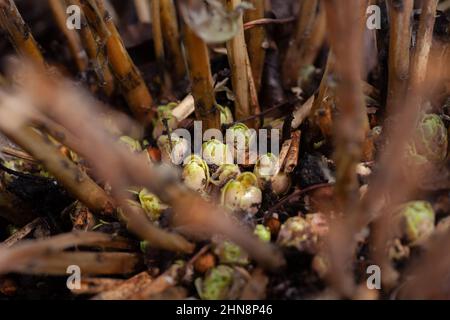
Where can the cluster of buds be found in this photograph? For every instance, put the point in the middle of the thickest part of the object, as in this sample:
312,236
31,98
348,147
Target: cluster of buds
267,171
242,194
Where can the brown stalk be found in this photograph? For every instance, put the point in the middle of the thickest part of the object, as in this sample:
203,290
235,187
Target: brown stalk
321,114
91,263
22,233
307,41
158,42
19,33
165,281
255,38
91,286
171,38
238,60
421,53
58,8
26,251
95,54
132,84
72,177
143,10
127,289
350,127
201,80
400,15
400,134
292,156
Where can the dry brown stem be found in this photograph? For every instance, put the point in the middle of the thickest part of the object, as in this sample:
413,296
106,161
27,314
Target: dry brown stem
400,15
95,54
58,8
255,38
19,33
132,84
238,60
350,127
171,37
128,289
308,39
201,80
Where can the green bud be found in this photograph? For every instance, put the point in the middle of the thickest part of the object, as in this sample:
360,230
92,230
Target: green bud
225,173
196,173
430,142
267,171
151,204
230,253
173,150
241,136
296,232
418,218
262,232
216,284
242,194
216,153
143,245
226,117
132,144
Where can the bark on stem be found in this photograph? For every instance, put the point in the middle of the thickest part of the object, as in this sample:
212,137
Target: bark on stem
171,38
400,15
77,182
421,53
201,80
132,84
158,42
308,39
58,8
19,33
255,38
238,60
350,128
95,54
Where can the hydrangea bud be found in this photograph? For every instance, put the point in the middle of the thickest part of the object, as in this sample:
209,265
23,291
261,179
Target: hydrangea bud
132,144
262,232
225,173
216,153
430,141
196,173
418,220
151,204
267,171
173,150
230,253
216,283
242,194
